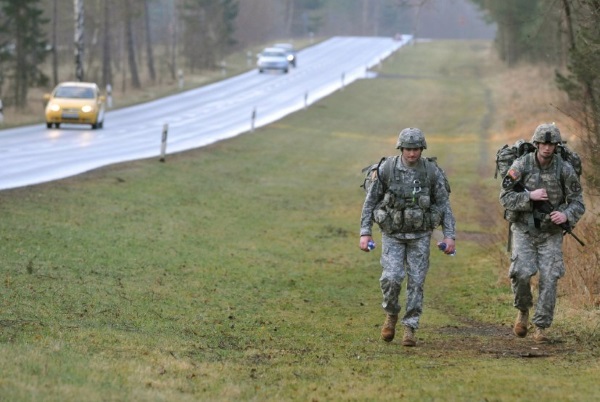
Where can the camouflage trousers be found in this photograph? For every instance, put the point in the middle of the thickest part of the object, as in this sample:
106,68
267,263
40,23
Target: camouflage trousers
533,252
406,258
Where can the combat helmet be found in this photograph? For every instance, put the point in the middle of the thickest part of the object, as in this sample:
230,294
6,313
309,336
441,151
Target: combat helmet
411,138
547,132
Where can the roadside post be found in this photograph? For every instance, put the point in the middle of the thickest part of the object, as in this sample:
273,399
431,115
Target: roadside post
343,80
252,120
1,112
109,99
180,76
305,100
163,142
249,58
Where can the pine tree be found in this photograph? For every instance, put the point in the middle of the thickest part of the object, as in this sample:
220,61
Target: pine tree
23,47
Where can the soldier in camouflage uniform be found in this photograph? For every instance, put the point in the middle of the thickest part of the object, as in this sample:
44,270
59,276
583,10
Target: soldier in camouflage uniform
408,199
536,181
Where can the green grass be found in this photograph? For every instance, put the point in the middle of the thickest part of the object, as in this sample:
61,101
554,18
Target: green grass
233,272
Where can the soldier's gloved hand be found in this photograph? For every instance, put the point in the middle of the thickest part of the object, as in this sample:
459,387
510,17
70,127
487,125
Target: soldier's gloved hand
364,243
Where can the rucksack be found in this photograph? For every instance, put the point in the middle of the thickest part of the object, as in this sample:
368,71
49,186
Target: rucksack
371,173
570,156
506,155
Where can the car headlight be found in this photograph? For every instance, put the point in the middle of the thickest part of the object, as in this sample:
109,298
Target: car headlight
54,107
86,109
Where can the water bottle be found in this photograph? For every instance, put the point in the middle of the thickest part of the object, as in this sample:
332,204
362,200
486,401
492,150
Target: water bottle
442,246
371,245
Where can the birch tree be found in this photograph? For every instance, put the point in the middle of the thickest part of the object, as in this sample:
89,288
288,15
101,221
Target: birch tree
79,38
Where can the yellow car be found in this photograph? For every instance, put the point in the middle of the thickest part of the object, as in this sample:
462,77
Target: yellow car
75,103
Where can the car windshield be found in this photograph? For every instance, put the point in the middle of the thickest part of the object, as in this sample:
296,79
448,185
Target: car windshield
273,54
74,92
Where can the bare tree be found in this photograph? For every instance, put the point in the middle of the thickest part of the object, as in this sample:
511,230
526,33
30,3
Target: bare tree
149,43
54,42
79,38
107,48
172,42
130,41
289,16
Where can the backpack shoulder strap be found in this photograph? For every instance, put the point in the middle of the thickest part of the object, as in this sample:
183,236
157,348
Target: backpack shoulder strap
528,163
387,173
559,168
430,167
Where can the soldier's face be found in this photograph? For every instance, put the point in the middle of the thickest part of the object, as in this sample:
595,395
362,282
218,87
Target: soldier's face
411,155
545,150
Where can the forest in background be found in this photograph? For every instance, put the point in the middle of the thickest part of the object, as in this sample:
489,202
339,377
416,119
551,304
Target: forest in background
564,35
139,43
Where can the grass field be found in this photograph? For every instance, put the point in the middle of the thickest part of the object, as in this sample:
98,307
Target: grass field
233,272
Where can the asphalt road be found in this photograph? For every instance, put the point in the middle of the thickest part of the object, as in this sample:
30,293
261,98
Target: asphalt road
34,154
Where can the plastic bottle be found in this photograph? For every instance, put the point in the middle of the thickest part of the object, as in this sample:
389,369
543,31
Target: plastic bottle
442,246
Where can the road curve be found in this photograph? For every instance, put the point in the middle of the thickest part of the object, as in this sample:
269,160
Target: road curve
195,118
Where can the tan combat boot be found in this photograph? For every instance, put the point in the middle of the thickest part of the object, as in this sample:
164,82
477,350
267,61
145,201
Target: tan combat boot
520,328
409,338
389,327
539,336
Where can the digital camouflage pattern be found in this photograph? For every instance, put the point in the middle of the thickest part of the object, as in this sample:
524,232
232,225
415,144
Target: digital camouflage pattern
411,137
437,191
406,254
526,259
537,242
400,259
564,192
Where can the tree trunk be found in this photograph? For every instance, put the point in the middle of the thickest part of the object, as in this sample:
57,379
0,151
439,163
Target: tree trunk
54,44
135,78
569,22
289,17
149,54
20,87
173,42
365,17
106,52
79,30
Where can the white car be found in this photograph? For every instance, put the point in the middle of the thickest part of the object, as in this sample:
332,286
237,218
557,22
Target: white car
273,59
289,49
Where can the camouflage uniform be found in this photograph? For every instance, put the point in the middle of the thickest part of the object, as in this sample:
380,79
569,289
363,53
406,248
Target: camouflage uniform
537,242
405,248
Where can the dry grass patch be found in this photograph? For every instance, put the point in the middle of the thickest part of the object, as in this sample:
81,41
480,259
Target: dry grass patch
529,96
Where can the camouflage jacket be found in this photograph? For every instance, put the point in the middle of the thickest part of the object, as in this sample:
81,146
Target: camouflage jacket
561,183
436,192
